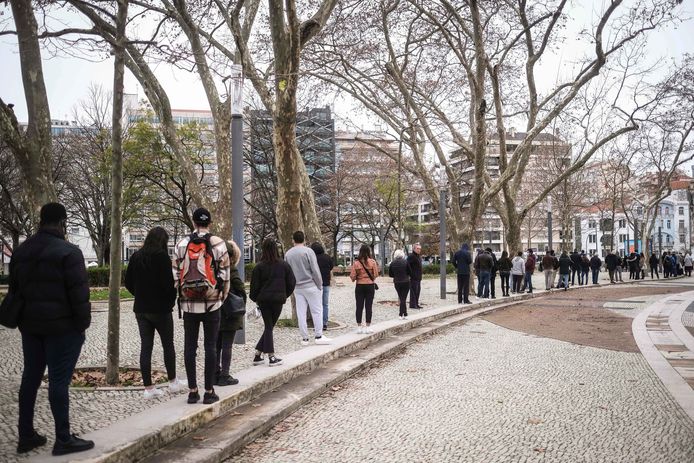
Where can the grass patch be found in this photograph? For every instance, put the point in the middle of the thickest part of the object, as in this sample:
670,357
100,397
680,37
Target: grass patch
101,294
287,323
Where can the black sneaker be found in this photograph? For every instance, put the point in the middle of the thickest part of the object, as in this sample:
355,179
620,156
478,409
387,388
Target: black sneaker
325,327
226,380
210,397
75,444
258,360
30,443
193,397
274,361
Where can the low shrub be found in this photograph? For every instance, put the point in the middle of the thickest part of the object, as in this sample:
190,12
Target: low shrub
98,276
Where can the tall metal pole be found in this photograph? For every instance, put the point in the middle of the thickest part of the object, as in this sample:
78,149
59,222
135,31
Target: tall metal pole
237,174
549,222
400,230
442,244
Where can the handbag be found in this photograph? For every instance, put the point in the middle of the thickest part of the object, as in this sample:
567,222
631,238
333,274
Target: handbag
233,306
369,273
11,309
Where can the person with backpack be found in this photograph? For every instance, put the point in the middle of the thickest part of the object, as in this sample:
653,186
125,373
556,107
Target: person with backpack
364,272
517,270
272,282
229,323
399,271
149,279
462,261
325,264
666,264
565,267
595,264
48,275
504,265
202,279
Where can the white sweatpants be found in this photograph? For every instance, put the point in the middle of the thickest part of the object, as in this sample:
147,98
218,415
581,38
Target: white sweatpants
312,298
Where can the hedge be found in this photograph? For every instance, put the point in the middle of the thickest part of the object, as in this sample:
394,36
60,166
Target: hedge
435,269
98,276
4,279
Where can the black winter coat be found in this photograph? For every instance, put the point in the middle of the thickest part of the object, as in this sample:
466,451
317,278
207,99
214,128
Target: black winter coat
399,271
595,263
565,265
611,261
272,283
575,261
414,260
462,261
237,287
50,275
150,280
504,265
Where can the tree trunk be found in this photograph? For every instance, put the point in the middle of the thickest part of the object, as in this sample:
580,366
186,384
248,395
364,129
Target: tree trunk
513,237
113,341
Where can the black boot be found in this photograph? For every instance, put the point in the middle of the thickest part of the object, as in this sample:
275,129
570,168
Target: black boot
30,443
74,444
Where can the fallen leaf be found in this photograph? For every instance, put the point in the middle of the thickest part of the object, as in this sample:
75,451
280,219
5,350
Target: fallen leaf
336,388
499,401
581,384
540,449
602,407
199,438
256,405
236,414
535,421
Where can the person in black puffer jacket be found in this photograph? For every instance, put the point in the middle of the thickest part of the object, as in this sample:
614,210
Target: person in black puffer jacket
272,282
414,260
228,326
150,280
399,271
50,276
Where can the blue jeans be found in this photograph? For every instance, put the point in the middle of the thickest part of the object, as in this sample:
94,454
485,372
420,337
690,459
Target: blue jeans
596,271
60,354
483,284
584,277
564,278
528,282
326,300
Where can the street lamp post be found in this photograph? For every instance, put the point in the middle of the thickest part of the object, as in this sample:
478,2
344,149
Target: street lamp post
236,97
549,222
442,233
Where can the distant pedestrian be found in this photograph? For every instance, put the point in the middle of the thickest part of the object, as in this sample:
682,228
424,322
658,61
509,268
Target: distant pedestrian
666,264
633,261
585,269
462,261
492,274
619,269
548,269
529,270
414,260
272,282
575,267
49,275
612,262
399,271
150,280
504,265
202,276
364,273
483,267
517,272
595,264
688,264
325,264
565,266
229,325
309,288
653,263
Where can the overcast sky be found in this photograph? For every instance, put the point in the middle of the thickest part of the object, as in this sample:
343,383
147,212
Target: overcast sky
68,78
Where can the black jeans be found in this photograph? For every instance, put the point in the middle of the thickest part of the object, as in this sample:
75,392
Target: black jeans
60,354
492,283
225,341
162,323
402,289
504,283
271,313
517,280
364,294
415,288
463,288
575,271
210,328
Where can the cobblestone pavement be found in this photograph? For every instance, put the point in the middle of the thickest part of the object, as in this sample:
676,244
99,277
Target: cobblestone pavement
479,392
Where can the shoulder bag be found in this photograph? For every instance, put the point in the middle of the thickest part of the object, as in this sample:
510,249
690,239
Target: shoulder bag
369,273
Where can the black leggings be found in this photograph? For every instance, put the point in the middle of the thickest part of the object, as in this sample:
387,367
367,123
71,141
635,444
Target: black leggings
162,323
402,289
517,280
364,295
504,282
271,313
225,341
210,328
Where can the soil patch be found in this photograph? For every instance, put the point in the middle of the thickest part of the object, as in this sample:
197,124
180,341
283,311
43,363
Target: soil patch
578,317
96,377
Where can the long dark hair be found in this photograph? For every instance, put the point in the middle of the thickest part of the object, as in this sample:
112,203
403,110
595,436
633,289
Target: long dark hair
157,240
268,251
364,253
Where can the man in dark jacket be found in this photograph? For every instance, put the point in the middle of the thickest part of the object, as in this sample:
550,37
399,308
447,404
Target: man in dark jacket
653,263
575,267
595,264
492,275
49,274
462,261
483,267
611,262
325,264
565,265
529,270
414,260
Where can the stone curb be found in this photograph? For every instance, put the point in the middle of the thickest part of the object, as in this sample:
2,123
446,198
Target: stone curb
140,435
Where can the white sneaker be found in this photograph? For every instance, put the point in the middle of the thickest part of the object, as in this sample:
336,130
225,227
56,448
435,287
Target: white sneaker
178,385
404,317
304,342
368,330
323,340
400,317
360,330
152,393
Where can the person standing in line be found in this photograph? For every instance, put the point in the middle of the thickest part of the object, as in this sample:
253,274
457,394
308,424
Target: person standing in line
228,326
483,265
595,264
653,264
642,266
414,260
688,264
529,270
548,269
504,265
517,272
325,264
49,275
462,261
612,262
309,288
565,266
364,272
585,269
399,271
150,280
202,278
575,267
272,282
492,274
666,264
633,266
618,269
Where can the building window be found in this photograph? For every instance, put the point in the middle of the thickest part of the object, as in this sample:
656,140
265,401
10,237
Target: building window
591,238
681,224
681,210
74,230
622,238
592,224
682,238
669,224
622,223
667,211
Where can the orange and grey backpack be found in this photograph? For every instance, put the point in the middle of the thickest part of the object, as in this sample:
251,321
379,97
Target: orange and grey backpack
199,279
